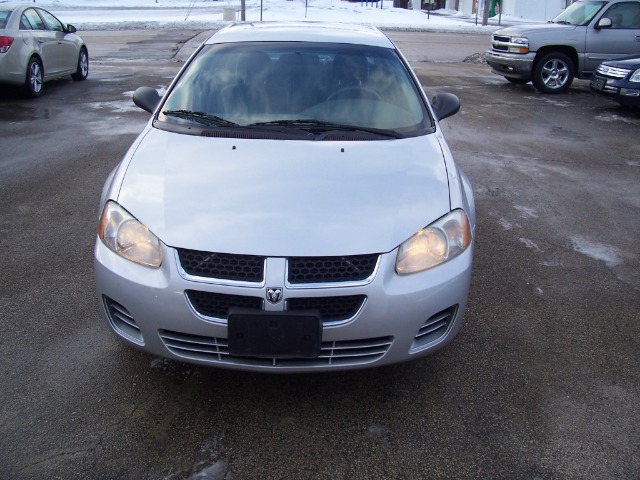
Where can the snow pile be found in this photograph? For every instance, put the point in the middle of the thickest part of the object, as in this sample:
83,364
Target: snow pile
207,14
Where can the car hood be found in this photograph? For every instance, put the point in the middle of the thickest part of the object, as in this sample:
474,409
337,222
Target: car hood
522,30
631,63
285,197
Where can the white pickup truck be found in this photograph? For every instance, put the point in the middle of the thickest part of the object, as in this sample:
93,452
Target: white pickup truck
571,45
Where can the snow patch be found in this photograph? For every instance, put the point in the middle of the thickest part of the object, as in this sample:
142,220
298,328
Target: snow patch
598,251
550,101
609,118
526,212
217,471
505,224
530,244
203,14
552,263
118,106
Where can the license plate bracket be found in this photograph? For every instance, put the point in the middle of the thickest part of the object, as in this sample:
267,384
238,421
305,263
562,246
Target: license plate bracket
281,335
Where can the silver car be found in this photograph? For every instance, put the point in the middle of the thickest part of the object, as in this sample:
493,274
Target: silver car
36,47
292,205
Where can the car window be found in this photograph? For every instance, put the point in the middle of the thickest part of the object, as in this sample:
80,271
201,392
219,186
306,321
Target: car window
4,16
30,20
579,13
624,15
52,22
253,83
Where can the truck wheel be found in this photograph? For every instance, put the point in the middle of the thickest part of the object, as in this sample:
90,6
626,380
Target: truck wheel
553,73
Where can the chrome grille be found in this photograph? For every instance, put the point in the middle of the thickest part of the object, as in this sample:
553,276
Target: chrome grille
612,71
331,269
434,328
217,305
500,43
301,270
332,309
215,350
223,266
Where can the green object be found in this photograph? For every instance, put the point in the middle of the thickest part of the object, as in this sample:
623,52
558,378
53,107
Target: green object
495,5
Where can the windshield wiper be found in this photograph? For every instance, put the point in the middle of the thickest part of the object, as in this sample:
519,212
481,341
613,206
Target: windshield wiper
313,125
201,117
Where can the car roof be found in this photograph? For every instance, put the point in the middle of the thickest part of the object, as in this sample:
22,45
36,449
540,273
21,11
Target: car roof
17,8
301,32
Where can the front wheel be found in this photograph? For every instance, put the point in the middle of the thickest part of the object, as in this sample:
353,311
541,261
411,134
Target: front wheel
33,82
82,71
553,73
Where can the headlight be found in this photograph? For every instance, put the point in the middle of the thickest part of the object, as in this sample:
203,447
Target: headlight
441,241
519,45
127,237
635,76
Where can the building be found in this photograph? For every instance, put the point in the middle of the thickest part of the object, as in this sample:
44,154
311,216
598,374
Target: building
540,10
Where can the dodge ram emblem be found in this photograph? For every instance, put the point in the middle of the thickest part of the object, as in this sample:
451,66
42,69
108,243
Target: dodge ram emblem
274,295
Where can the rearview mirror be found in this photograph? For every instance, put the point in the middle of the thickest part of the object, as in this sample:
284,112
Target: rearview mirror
445,104
146,98
604,23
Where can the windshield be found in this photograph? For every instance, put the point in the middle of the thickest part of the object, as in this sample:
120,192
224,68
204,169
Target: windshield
297,85
579,13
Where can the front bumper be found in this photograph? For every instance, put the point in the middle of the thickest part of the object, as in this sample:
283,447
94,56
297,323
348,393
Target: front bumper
511,64
401,317
619,90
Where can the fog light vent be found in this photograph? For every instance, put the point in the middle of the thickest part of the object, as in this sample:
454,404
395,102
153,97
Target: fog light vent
122,321
435,328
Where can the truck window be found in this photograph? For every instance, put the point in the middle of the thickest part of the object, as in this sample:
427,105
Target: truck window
624,15
580,13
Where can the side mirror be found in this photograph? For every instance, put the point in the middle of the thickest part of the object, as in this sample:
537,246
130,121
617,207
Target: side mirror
604,23
445,104
70,29
147,98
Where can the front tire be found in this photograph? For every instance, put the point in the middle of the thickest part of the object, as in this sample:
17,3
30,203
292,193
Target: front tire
553,73
33,82
82,71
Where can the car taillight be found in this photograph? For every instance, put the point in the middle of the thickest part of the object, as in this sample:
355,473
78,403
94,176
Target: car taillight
5,43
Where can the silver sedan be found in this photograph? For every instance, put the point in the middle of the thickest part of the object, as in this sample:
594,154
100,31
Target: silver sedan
292,205
36,47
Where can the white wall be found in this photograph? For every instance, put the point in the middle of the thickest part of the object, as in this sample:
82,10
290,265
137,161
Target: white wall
540,10
465,6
